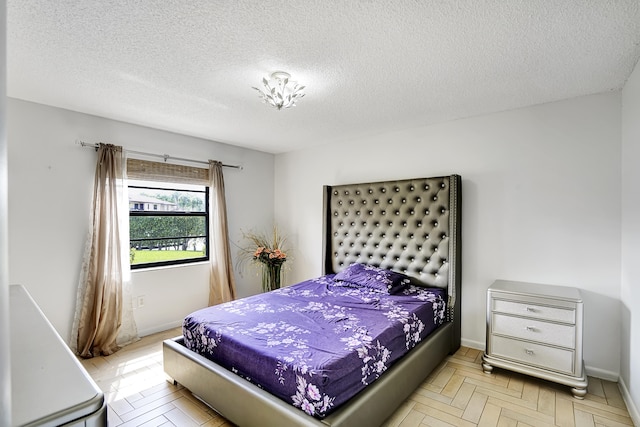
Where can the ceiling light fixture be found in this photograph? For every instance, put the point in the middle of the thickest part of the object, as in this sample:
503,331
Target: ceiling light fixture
279,91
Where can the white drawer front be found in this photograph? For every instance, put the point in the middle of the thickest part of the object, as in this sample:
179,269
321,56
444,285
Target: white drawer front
533,354
534,330
536,311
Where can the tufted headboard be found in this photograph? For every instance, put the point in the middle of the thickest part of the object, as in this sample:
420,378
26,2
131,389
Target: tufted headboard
411,226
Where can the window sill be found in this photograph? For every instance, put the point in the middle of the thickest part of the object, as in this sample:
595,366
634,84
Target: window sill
165,267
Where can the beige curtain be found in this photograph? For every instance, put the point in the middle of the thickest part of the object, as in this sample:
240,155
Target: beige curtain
128,329
222,286
99,311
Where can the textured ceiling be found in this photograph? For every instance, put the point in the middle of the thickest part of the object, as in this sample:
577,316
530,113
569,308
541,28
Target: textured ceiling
370,66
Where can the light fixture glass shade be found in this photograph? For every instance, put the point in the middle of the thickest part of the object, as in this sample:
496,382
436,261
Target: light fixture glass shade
279,91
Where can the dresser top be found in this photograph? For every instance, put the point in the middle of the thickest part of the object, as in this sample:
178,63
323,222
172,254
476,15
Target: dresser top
536,289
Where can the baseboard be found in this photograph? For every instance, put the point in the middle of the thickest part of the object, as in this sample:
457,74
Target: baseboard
472,344
631,407
602,374
159,328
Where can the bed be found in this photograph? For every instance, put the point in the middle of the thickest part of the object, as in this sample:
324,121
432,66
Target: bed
409,226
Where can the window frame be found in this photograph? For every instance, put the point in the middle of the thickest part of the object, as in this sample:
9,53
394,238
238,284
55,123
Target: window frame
142,213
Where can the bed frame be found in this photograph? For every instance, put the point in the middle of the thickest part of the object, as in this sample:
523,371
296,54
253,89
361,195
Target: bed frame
411,226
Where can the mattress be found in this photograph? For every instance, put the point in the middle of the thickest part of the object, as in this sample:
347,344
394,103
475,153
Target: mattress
318,343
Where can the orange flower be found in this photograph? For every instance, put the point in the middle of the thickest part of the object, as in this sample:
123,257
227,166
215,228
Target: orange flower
278,254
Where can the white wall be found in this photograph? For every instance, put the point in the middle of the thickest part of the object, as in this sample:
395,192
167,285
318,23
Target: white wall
5,363
50,186
540,203
630,295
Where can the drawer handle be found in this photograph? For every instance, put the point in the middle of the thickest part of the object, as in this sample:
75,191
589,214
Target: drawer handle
529,351
531,309
530,328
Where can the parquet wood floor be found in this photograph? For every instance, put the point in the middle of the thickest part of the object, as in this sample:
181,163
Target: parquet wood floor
457,393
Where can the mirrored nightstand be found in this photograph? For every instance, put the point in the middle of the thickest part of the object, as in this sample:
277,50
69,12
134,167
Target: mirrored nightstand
536,330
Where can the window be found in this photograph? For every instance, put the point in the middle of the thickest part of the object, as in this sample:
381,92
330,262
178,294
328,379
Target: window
168,223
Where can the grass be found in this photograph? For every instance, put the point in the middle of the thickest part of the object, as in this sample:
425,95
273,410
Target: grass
144,256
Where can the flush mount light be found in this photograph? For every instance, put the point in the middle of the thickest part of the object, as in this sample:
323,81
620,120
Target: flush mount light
280,91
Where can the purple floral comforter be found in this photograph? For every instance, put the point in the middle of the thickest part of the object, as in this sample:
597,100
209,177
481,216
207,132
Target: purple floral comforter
315,344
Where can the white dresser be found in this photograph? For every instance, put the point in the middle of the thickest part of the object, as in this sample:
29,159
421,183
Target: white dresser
49,386
536,330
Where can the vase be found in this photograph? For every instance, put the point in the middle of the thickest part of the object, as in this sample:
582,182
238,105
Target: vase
271,277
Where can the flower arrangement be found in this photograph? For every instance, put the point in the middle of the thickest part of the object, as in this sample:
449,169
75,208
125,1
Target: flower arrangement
267,255
268,252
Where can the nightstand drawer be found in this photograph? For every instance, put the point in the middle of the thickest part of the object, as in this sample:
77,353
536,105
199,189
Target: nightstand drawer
534,310
533,354
534,330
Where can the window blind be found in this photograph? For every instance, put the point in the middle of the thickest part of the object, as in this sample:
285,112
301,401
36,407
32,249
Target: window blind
166,172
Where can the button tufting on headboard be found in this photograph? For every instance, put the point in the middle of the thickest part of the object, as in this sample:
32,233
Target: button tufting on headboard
392,235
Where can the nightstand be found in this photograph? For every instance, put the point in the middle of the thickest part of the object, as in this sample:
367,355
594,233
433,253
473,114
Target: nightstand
536,330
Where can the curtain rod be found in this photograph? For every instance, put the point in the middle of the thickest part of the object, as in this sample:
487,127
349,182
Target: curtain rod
162,156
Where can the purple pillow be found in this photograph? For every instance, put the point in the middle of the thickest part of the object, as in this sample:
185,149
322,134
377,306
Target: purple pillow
374,278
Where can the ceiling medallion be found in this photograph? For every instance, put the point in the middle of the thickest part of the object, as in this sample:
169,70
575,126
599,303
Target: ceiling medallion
279,91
